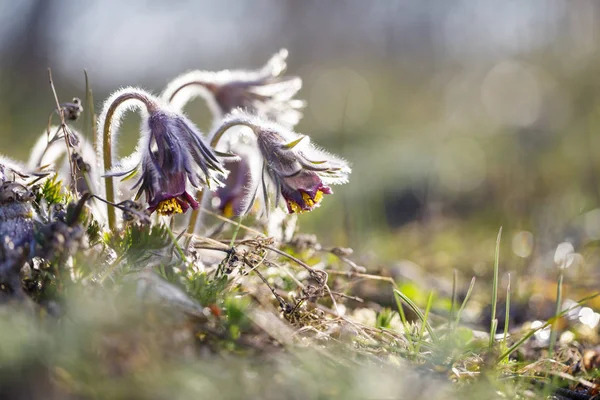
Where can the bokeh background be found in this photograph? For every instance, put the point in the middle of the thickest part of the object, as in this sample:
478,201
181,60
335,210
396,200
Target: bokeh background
458,116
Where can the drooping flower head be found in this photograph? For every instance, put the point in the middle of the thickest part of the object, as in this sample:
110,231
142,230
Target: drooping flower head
171,154
291,169
265,92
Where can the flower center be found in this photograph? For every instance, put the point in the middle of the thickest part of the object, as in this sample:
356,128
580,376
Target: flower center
310,202
228,210
168,207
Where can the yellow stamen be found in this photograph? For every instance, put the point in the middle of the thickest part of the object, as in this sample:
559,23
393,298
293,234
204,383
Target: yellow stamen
228,210
310,202
168,207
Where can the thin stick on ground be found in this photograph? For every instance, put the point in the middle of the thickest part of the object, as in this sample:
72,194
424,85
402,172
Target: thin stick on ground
63,125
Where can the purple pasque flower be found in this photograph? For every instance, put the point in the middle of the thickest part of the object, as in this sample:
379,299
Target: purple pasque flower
233,196
290,170
171,156
265,92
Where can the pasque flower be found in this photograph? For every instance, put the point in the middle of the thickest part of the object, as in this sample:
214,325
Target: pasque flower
290,169
266,92
171,154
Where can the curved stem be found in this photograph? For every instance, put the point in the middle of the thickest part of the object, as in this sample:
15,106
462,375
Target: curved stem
213,144
107,146
209,86
228,125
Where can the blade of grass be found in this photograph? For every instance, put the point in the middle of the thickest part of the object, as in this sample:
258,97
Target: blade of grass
453,300
401,311
89,114
494,325
425,322
464,303
176,244
236,231
493,328
553,332
507,314
418,312
404,320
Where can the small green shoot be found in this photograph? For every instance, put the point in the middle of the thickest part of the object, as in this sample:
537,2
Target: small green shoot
425,322
553,332
507,314
464,303
494,321
418,312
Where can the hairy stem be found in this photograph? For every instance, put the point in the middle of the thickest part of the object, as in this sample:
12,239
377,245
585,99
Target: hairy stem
210,87
107,146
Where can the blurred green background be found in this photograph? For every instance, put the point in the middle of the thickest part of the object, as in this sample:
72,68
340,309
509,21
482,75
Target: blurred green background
457,116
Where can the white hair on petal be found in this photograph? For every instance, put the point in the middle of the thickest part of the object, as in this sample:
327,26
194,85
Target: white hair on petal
183,88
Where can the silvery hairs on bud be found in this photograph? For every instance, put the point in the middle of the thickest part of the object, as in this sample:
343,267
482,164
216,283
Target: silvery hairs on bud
291,170
265,92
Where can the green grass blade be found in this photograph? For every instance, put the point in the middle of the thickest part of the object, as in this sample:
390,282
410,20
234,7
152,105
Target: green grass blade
507,313
464,303
404,320
417,311
453,299
493,328
493,325
424,322
89,112
553,332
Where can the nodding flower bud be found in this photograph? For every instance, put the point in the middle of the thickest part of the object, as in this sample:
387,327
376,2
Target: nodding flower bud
170,155
290,168
265,92
72,110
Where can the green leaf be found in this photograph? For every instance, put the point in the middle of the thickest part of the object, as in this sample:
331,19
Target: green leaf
137,243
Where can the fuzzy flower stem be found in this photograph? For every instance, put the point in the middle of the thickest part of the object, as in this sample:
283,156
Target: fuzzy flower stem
205,85
107,147
213,144
225,127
